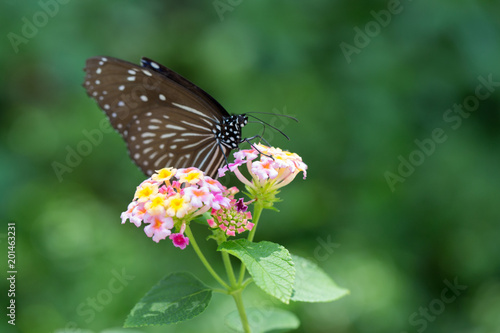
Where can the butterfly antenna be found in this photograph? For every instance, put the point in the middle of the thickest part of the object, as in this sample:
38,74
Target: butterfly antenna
273,127
263,126
275,114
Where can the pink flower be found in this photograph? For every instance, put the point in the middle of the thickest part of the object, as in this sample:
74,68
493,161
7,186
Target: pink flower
179,240
197,196
138,214
158,227
128,213
218,201
213,185
265,168
274,169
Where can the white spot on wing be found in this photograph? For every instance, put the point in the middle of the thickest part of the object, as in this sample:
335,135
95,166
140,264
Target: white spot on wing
187,108
158,161
166,135
175,127
197,126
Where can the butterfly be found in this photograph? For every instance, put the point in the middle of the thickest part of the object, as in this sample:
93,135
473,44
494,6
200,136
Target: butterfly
166,120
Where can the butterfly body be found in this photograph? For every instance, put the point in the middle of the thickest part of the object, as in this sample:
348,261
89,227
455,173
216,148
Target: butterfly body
166,120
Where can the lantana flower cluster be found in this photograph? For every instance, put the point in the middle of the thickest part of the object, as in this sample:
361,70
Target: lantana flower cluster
232,219
170,199
270,168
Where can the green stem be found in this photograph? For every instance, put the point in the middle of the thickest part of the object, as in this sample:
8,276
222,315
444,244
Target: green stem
241,310
203,259
257,210
236,292
229,269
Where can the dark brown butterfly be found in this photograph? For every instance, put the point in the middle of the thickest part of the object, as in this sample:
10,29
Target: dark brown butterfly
166,120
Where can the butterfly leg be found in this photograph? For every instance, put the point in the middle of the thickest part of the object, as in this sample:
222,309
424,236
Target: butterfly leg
248,140
222,151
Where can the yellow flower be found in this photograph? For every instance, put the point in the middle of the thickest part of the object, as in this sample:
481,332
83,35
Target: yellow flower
145,190
191,177
155,205
164,174
177,205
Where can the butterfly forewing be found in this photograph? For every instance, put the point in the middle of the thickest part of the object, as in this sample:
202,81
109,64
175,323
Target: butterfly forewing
216,109
165,119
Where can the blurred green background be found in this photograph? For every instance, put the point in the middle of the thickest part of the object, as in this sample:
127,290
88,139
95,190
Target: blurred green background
362,98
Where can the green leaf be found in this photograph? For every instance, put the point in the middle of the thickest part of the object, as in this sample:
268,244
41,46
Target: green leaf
264,320
312,284
177,297
270,265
